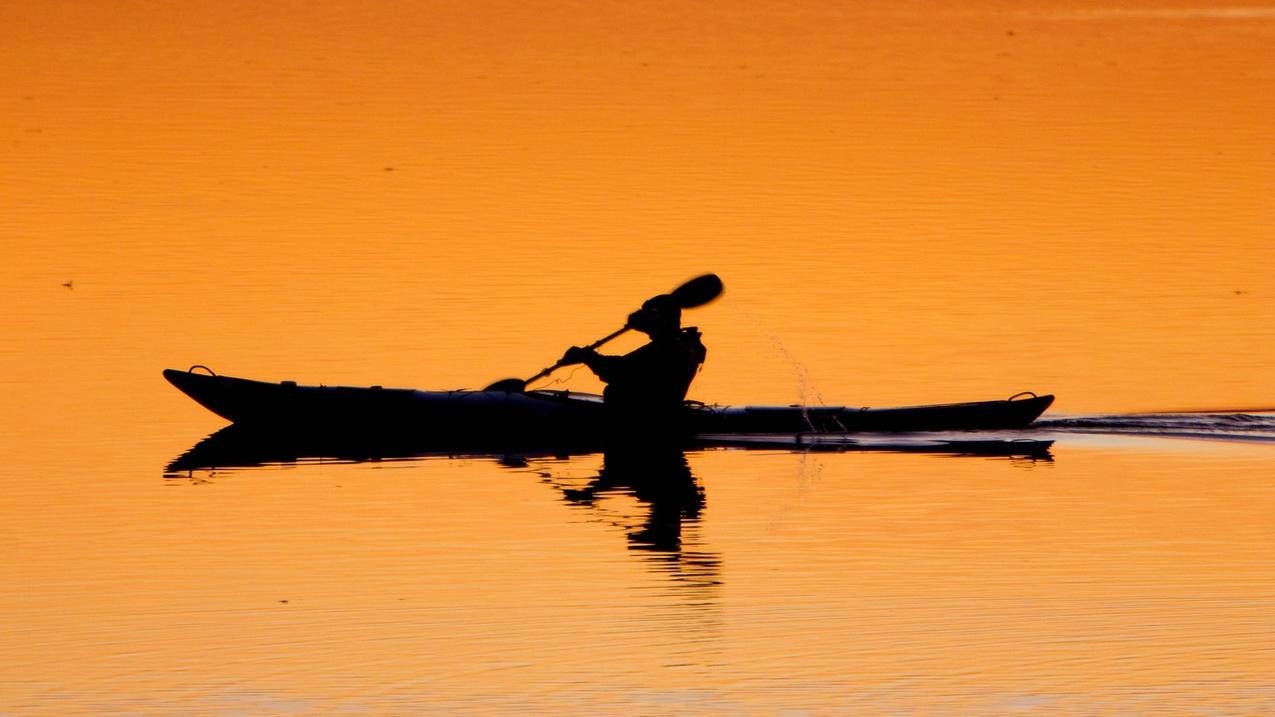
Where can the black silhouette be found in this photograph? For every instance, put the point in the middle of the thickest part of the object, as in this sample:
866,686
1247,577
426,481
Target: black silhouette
646,388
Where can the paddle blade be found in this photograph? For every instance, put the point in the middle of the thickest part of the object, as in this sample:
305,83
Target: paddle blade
509,385
698,291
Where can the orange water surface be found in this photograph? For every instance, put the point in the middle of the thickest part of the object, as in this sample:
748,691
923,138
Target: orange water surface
908,202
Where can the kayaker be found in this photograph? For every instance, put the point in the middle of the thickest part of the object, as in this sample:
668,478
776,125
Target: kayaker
647,386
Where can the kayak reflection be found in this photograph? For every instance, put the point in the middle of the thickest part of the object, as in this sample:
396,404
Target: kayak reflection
239,446
671,501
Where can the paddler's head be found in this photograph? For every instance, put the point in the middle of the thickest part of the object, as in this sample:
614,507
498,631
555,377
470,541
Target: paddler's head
659,315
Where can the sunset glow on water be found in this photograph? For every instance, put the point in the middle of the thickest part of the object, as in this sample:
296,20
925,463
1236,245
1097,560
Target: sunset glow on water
909,203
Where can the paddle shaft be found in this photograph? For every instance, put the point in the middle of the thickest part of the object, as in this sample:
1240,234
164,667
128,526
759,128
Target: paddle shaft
550,369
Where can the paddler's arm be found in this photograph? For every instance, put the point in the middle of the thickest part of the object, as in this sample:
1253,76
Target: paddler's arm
608,368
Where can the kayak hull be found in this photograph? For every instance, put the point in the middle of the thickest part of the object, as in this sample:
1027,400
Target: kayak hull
286,406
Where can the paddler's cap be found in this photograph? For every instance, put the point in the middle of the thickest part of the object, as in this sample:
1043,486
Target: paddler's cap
657,311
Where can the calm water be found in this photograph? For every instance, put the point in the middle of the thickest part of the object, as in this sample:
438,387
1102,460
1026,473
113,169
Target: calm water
907,204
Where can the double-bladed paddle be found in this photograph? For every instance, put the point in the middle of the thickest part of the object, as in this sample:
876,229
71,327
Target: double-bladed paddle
696,292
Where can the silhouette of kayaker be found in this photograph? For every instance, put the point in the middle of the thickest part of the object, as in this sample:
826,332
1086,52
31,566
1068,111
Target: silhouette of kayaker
648,385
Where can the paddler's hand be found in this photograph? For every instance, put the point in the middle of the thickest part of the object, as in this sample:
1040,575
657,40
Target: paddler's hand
574,355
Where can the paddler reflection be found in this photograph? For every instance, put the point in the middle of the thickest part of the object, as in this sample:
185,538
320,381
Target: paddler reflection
661,479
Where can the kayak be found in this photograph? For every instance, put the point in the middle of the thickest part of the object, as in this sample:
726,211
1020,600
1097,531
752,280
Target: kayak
285,405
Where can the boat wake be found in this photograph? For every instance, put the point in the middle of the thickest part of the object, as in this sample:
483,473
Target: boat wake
1219,426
